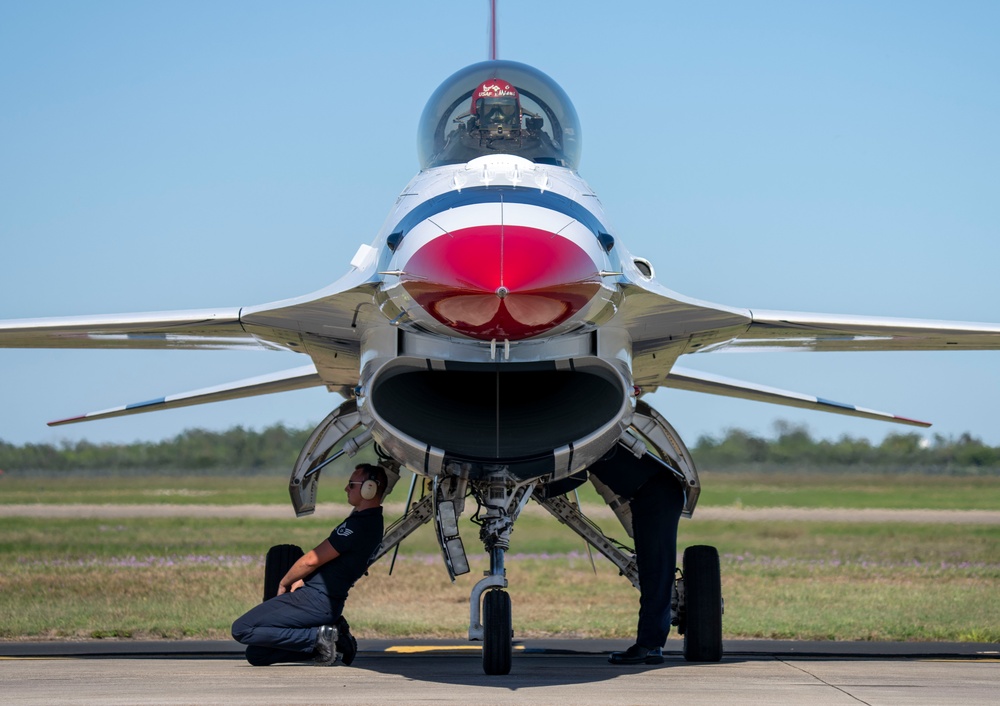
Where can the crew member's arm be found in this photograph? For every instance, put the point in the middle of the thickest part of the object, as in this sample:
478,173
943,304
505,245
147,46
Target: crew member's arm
310,561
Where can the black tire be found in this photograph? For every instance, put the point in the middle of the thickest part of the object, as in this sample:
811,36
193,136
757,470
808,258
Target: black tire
498,637
702,605
279,560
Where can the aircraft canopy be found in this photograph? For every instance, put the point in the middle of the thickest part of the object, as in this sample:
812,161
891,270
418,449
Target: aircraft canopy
456,127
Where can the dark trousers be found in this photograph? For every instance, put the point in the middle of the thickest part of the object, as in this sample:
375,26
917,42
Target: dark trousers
283,629
656,511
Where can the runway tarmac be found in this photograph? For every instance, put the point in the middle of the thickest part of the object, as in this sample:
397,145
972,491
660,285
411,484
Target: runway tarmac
544,672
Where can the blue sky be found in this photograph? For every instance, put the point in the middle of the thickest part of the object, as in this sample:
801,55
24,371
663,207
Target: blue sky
813,156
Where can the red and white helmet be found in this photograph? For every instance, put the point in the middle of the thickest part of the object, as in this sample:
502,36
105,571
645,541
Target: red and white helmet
494,88
496,108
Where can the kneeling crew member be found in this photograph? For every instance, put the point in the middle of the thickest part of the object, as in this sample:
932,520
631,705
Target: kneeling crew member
304,622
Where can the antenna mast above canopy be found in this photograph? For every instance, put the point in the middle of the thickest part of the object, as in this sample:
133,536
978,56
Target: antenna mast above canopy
493,30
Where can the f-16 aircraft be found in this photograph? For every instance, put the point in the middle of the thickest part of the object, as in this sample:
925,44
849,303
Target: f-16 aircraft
496,336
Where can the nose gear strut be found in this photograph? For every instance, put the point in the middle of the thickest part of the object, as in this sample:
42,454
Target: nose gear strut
500,499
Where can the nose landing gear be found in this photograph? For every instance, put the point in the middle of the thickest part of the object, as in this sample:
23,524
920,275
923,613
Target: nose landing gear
501,501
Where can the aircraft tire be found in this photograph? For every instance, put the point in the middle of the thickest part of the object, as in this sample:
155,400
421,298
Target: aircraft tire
277,563
703,604
498,632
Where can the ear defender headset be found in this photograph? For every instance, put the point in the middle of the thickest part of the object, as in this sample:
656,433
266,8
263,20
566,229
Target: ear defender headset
369,488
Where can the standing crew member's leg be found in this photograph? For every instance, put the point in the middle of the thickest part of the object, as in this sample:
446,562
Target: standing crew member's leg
656,511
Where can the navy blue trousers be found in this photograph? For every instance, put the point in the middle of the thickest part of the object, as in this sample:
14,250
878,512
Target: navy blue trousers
656,511
283,629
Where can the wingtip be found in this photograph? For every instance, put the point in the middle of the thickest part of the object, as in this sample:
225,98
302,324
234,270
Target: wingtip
914,422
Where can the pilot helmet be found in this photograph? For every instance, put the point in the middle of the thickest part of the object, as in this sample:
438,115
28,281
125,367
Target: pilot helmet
497,106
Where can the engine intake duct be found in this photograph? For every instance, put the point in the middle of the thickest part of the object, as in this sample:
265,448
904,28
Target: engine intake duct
499,412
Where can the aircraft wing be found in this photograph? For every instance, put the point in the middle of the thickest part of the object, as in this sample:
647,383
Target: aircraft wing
771,330
325,325
664,325
194,329
694,381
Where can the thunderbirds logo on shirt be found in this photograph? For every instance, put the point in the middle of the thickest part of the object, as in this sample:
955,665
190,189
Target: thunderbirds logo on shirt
343,531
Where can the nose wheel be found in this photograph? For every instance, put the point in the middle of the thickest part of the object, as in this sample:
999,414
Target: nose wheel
498,632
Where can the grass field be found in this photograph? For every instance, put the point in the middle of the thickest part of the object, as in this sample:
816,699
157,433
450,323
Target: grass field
190,577
719,489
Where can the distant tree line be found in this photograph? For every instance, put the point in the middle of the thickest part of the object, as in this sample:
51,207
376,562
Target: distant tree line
793,446
276,448
238,449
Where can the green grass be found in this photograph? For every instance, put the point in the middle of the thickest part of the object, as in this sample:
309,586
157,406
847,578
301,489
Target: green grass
190,577
830,490
180,577
791,489
80,488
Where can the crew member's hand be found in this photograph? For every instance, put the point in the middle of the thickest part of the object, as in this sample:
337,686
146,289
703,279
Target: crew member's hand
282,589
297,585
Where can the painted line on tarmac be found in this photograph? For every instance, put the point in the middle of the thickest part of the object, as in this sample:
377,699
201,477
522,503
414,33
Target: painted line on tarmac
421,649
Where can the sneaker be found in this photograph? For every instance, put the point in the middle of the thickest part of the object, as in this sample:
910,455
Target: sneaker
325,652
347,646
637,654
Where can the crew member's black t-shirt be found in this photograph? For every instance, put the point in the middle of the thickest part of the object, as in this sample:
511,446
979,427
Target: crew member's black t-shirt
356,540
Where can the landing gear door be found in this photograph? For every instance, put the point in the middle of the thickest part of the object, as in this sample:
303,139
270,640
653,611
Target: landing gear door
661,437
338,435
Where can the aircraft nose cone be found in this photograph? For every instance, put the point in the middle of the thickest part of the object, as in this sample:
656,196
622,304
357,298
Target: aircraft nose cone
503,282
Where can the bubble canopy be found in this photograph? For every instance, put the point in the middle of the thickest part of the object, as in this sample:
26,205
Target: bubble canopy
455,129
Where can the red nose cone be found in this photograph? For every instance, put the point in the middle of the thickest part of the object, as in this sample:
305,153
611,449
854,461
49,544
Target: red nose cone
503,282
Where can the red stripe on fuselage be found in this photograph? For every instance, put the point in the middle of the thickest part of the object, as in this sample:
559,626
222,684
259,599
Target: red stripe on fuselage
456,279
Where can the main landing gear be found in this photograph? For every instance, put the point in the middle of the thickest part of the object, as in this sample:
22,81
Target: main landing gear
697,604
696,601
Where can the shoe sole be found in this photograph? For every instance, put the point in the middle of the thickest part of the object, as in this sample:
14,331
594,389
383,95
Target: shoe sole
644,660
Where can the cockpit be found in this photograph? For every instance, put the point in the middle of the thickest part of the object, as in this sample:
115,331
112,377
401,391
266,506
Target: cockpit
499,107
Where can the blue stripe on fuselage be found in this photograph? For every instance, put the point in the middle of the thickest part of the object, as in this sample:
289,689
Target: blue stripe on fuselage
497,194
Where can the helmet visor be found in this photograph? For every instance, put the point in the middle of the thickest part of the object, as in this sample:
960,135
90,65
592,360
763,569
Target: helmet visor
498,111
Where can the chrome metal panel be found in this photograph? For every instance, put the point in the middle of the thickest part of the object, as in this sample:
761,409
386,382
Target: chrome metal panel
657,430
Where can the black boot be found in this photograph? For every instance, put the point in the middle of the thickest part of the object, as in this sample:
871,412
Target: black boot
347,646
325,652
637,654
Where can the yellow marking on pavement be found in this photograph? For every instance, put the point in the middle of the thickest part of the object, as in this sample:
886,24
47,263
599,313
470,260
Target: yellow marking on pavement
413,649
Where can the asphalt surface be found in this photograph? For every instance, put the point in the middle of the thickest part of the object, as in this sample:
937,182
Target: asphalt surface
544,672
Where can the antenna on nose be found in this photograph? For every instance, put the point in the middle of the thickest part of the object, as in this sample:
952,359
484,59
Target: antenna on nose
493,30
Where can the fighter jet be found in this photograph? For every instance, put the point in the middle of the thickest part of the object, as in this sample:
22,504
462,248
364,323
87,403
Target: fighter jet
497,336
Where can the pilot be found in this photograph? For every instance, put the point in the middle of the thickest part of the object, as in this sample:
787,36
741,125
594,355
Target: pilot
497,122
496,110
656,499
304,622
